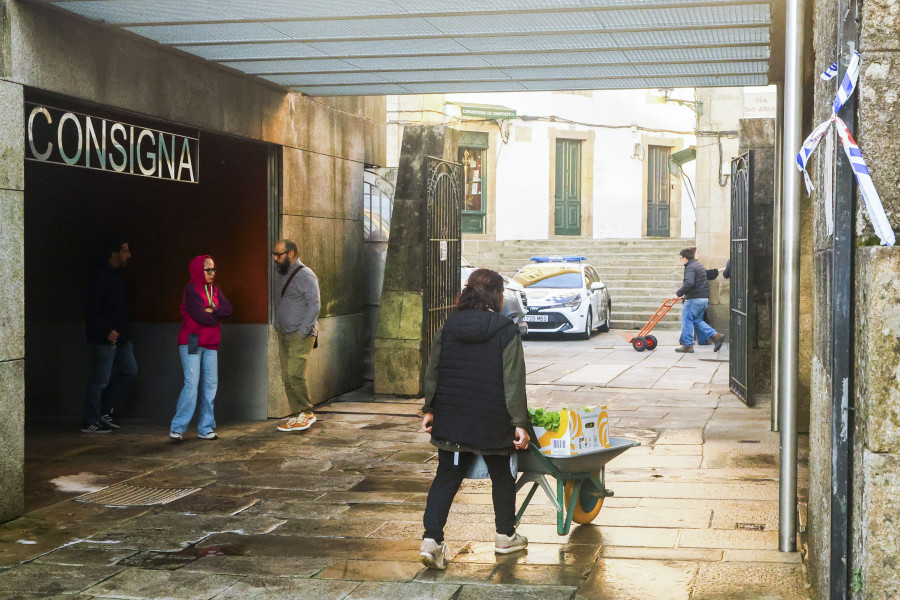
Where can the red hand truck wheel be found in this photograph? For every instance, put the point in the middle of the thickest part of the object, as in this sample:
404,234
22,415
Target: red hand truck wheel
651,342
639,344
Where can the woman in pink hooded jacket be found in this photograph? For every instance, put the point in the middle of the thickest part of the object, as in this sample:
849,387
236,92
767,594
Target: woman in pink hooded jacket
202,306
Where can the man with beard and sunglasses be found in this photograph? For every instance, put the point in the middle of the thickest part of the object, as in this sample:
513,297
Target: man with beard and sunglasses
296,312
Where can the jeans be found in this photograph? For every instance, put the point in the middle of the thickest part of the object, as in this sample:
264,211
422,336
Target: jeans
294,350
112,368
446,483
692,316
200,370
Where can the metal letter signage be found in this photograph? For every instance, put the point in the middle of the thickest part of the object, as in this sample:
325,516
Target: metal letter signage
78,140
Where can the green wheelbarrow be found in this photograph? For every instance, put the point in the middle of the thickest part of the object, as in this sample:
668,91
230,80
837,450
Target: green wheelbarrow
580,481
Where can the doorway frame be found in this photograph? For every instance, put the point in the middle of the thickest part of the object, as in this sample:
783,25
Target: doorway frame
587,182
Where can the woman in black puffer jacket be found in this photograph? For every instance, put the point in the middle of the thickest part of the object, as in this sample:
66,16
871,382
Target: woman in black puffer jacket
475,404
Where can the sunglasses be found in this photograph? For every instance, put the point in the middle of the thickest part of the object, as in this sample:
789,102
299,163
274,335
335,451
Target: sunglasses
211,271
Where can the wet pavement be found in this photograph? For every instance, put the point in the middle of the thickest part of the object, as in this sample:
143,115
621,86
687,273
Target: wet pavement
335,512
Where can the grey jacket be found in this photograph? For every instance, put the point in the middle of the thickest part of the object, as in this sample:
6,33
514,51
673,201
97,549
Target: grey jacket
695,283
298,309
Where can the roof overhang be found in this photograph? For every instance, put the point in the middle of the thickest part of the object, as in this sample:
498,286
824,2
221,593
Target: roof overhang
378,47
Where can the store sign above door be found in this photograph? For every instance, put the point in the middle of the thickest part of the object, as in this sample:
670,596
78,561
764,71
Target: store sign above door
487,112
78,140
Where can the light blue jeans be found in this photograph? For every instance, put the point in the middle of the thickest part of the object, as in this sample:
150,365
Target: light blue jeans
692,316
200,370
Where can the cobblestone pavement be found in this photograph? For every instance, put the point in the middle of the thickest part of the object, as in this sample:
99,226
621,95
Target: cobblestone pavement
335,513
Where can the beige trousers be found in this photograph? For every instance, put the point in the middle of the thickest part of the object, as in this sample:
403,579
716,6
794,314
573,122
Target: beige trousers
294,349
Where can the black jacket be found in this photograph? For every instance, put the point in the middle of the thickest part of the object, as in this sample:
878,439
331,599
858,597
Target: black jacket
469,402
695,283
105,305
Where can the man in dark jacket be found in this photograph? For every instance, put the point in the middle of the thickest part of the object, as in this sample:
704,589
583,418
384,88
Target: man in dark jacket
695,291
111,354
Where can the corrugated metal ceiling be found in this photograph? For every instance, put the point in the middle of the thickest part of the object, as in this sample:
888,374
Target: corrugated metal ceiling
360,47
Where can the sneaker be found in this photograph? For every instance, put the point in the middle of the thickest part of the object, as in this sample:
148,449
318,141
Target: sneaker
108,419
301,422
685,349
287,425
96,428
718,340
176,435
434,555
507,544
212,435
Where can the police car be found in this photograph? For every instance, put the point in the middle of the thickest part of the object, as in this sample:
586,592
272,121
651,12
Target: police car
565,295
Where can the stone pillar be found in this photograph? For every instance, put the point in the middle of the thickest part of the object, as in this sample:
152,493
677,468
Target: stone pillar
876,469
12,298
758,136
399,339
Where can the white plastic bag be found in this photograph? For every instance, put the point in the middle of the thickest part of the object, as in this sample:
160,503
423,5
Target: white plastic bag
478,469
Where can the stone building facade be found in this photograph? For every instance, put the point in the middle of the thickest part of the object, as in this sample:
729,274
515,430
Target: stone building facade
875,376
310,156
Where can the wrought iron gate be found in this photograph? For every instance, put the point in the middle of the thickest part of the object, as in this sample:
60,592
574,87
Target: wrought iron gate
741,190
442,271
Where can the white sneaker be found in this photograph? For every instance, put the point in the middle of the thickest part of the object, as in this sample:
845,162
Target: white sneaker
434,555
507,544
288,425
176,435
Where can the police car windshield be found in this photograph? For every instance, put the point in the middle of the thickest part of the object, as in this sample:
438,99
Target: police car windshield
547,276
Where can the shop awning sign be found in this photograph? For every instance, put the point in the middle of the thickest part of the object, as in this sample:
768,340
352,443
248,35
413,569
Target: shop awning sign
74,139
485,111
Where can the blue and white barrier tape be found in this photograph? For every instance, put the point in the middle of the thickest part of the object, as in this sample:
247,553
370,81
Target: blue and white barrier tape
872,201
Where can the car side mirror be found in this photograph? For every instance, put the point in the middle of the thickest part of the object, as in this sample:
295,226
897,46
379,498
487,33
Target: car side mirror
597,285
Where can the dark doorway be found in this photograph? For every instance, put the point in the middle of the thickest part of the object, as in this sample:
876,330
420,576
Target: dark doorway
68,213
568,187
658,200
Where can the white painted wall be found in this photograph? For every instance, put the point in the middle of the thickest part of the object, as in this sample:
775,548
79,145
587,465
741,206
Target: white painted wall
523,194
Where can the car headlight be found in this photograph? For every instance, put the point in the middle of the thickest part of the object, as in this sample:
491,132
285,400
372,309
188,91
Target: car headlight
573,304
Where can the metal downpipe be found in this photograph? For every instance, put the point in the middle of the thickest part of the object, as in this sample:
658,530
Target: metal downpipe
790,293
777,254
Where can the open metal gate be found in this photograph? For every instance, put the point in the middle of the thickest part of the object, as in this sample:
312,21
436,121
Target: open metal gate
741,192
443,266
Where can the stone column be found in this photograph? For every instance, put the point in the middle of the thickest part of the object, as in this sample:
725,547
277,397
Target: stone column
399,339
12,299
876,452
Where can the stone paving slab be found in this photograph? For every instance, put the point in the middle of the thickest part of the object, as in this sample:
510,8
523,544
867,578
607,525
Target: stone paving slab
404,591
627,579
336,512
54,579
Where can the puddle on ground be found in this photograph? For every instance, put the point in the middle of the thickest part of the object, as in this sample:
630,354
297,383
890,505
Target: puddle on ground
752,461
83,483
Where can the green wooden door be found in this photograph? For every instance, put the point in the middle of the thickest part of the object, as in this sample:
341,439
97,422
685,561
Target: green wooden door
568,187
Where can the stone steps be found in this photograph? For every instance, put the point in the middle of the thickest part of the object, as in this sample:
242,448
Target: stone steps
640,274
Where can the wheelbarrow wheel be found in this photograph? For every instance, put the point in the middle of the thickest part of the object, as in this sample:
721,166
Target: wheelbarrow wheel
651,342
639,344
590,500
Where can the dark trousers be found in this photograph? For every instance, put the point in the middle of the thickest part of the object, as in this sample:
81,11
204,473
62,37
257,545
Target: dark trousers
446,483
112,368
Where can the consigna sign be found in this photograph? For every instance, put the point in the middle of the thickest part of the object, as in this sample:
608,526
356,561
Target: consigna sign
79,140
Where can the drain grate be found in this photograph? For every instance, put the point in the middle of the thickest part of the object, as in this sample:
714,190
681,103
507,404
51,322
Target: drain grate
123,494
751,526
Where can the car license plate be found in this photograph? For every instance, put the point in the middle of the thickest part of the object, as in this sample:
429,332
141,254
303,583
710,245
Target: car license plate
536,318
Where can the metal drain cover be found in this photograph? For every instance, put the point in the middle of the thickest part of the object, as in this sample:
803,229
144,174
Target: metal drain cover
123,494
